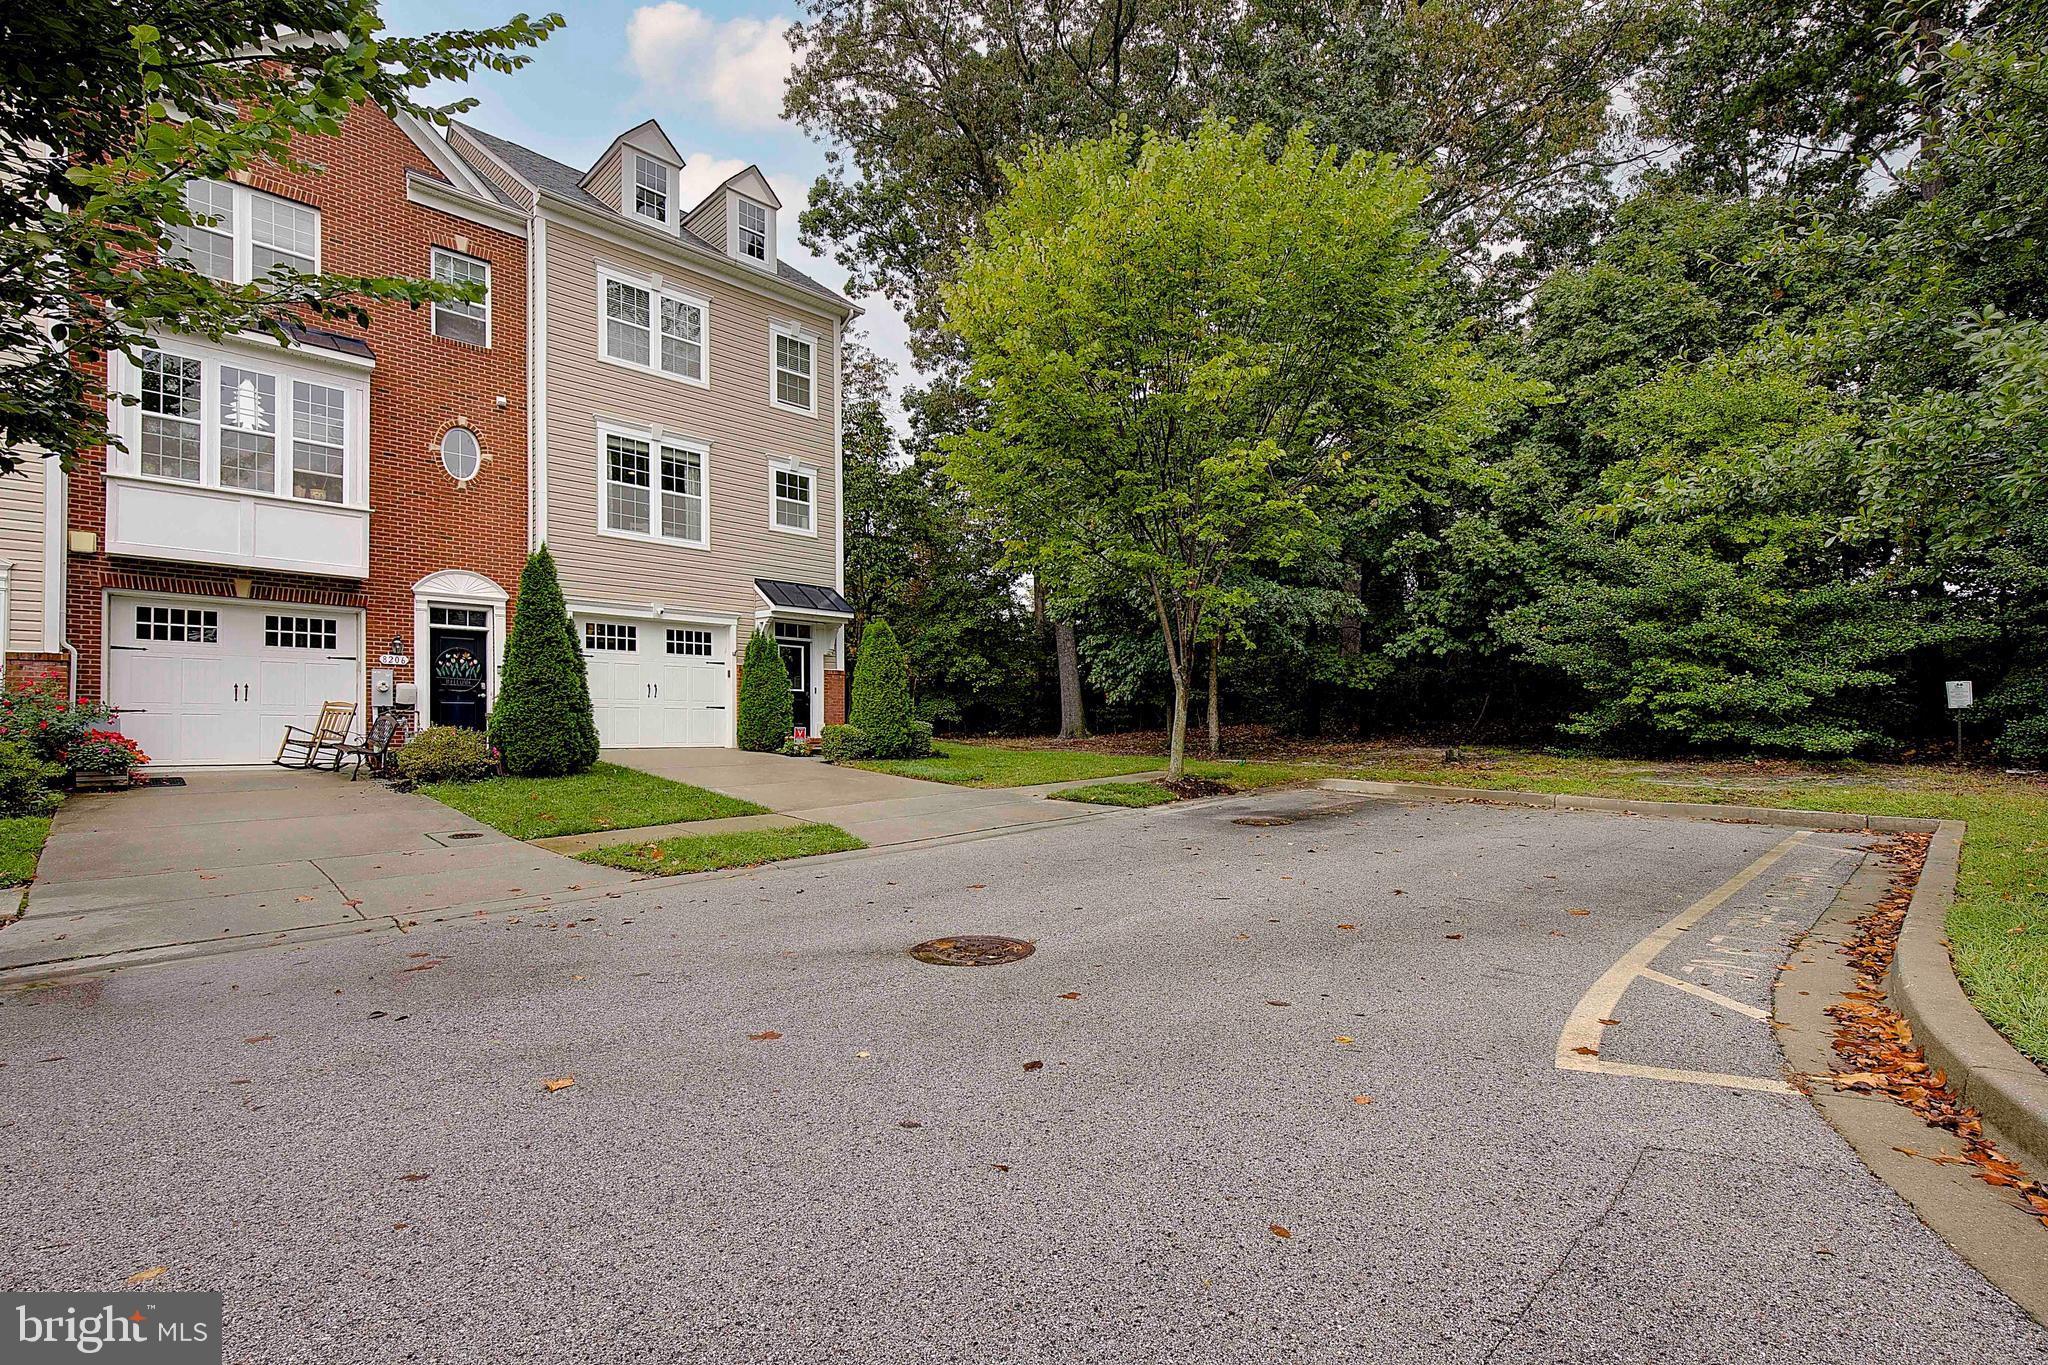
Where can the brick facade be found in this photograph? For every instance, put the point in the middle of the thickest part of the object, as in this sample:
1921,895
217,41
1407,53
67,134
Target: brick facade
421,520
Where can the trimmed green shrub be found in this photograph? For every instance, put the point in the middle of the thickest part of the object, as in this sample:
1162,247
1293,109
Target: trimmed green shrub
446,753
920,739
543,723
846,744
767,714
881,707
25,782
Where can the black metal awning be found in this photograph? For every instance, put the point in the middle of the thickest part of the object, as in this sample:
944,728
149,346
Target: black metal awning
803,597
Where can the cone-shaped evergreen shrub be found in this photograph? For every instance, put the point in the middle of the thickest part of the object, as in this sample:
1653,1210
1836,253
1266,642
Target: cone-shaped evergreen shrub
542,723
767,715
881,708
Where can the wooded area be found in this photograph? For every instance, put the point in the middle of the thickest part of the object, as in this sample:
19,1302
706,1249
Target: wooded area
1763,281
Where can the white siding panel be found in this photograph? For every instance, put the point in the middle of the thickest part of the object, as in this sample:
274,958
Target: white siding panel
21,545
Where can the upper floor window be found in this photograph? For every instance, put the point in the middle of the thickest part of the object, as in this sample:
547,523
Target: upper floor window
792,498
752,227
242,423
240,234
653,488
469,323
650,189
653,329
791,363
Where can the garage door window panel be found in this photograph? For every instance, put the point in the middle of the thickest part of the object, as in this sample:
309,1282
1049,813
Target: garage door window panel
178,625
690,644
300,632
610,637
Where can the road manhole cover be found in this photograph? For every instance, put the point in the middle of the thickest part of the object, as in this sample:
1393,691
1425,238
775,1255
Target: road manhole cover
972,950
1262,821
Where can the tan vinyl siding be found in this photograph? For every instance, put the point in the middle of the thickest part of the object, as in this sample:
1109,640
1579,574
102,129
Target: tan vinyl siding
708,221
21,547
733,417
604,184
485,165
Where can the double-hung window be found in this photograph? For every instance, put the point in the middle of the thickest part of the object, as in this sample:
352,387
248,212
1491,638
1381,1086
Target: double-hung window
241,235
469,323
792,498
238,422
650,189
791,363
655,488
653,329
752,226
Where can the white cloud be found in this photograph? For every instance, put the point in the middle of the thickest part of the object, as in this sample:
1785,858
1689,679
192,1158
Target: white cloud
703,173
736,66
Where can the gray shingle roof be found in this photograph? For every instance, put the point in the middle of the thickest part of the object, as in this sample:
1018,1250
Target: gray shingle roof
556,177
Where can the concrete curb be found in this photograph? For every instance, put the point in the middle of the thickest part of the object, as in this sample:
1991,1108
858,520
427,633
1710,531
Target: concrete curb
1992,1076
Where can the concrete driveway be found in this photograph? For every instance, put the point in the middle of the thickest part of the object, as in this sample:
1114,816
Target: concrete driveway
787,1141
234,858
881,808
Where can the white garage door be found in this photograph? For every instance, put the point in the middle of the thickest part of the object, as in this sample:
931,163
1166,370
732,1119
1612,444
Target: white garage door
206,681
657,686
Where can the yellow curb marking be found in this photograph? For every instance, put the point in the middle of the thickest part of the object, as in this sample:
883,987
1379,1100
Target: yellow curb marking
1583,1028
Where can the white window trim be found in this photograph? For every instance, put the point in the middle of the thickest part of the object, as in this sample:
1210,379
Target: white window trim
732,233
656,292
244,233
125,378
788,465
655,439
809,338
629,188
434,310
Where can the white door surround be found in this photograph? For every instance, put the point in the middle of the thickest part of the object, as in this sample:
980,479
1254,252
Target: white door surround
456,588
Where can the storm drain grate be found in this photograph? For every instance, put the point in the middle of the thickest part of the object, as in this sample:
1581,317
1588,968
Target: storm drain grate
972,950
464,834
1262,821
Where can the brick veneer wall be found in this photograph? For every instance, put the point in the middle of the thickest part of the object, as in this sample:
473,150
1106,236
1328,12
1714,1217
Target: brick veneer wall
420,520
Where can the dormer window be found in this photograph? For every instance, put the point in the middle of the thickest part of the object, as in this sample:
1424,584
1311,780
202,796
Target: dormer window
650,189
751,228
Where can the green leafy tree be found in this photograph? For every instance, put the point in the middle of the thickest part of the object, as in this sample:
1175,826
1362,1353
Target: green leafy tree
767,711
881,707
542,723
112,108
1185,345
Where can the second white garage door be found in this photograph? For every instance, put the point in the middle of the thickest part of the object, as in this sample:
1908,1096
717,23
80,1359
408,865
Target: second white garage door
658,686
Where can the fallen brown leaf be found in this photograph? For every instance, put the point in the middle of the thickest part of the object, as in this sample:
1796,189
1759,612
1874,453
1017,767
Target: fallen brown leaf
1071,995
1587,1051
1610,1022
414,1175
1361,1099
1282,1233
261,1038
558,1083
1034,1066
764,1036
1576,911
1454,936
145,1276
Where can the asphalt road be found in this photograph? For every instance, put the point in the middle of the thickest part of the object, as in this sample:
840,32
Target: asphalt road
351,1138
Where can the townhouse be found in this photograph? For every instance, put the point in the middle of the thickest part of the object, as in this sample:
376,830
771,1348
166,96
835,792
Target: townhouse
645,388
685,435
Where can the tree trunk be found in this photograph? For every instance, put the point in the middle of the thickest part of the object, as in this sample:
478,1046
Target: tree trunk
1177,750
1215,710
1073,721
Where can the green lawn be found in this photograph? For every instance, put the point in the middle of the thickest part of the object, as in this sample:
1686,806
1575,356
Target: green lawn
991,765
1119,794
606,797
1998,927
706,852
21,843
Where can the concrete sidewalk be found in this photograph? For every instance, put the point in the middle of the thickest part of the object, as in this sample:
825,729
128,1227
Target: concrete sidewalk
881,808
245,854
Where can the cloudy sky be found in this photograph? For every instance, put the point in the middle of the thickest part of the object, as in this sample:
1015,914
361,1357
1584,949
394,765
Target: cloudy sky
711,72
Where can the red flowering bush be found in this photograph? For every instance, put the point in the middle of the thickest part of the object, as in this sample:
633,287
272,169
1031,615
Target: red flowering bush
46,721
104,751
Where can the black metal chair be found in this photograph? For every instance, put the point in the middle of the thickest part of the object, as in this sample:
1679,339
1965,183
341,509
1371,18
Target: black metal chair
375,750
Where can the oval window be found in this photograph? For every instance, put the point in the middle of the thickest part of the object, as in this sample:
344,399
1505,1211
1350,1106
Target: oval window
460,454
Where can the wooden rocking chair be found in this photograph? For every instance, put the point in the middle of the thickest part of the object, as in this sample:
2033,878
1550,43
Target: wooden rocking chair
329,735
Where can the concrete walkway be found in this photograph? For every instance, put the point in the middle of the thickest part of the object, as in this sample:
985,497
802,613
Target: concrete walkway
881,808
240,855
